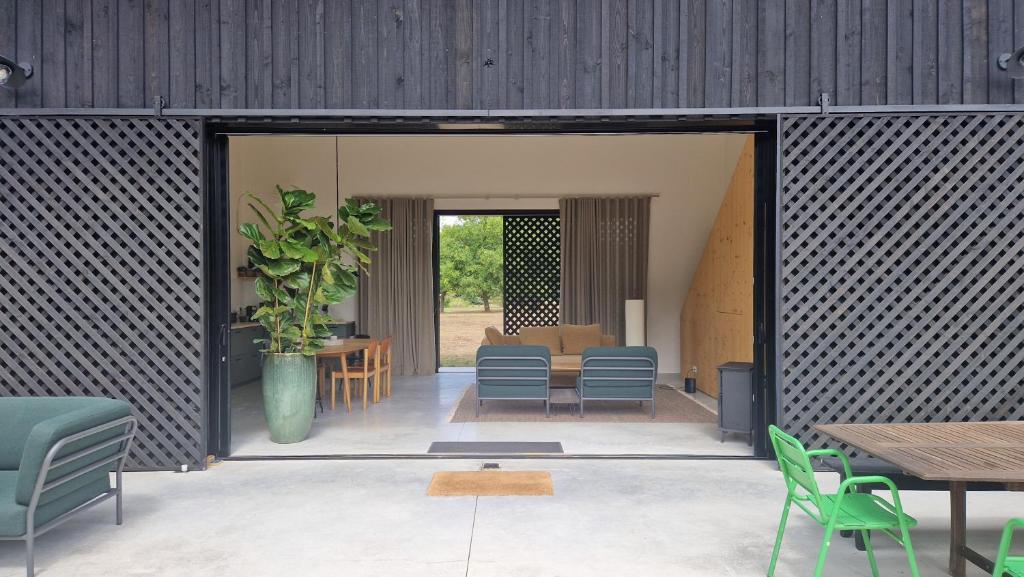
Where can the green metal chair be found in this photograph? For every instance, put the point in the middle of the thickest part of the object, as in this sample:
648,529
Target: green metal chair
513,372
845,510
1005,563
618,374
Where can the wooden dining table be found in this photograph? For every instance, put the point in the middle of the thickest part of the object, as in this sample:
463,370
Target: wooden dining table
343,347
955,452
340,350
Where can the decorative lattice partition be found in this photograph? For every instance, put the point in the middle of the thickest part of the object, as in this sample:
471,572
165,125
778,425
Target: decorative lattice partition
902,281
532,271
101,292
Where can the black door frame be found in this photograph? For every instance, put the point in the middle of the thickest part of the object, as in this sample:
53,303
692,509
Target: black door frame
217,304
765,128
436,261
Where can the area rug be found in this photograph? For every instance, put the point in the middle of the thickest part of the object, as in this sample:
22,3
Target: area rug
490,484
672,407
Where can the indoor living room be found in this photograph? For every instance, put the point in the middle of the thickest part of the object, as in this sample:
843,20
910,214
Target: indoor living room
681,287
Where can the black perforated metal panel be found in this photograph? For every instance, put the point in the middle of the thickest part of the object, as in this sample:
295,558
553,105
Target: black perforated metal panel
101,289
902,281
532,271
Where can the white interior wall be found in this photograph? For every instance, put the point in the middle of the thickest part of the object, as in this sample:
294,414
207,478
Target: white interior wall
690,173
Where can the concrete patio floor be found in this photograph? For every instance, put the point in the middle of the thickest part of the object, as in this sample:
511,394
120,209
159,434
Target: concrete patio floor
370,518
417,414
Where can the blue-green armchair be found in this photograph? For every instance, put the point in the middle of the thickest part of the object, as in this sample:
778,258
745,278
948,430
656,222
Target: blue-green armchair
513,372
618,374
56,456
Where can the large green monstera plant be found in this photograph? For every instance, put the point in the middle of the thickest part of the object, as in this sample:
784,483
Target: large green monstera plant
305,262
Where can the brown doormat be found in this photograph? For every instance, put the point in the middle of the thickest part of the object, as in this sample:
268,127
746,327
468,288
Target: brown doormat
490,484
672,407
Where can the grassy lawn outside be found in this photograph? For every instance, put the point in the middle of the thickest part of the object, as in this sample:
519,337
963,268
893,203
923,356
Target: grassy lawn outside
462,329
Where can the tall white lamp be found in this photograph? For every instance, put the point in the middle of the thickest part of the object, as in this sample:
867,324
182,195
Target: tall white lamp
636,331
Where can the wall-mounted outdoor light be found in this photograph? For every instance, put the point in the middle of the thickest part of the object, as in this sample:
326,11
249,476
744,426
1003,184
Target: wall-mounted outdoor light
1012,62
12,74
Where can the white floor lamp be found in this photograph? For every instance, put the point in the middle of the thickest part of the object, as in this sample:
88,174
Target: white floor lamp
636,329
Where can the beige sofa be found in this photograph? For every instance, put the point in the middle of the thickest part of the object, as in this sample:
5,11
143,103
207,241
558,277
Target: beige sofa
562,340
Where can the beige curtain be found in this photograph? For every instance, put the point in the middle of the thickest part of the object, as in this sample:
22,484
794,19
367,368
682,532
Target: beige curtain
604,259
396,298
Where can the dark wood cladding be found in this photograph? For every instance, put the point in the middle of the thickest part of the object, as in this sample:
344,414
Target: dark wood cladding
509,54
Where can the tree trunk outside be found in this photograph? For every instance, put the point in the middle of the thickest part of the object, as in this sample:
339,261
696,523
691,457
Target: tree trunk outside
487,304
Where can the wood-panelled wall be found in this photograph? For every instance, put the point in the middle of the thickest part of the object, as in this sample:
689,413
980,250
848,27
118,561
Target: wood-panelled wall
717,324
510,54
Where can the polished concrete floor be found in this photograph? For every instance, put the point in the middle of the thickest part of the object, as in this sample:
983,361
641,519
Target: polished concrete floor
417,414
373,518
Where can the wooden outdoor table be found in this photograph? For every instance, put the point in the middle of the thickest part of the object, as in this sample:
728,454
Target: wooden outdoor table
954,452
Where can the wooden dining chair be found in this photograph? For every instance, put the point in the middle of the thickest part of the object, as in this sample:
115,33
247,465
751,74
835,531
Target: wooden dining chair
368,369
385,366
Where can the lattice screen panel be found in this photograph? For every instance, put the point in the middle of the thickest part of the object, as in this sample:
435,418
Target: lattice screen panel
101,292
902,282
532,271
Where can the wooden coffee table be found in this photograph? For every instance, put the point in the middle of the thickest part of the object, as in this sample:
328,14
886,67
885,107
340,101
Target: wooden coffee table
566,364
564,370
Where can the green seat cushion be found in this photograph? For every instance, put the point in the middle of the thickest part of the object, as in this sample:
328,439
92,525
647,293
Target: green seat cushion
863,511
18,415
37,423
1014,566
512,391
14,517
620,392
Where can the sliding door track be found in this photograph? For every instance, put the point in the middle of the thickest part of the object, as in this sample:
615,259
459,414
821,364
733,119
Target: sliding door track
496,456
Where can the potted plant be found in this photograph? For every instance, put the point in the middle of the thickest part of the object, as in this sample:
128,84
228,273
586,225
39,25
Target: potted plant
303,262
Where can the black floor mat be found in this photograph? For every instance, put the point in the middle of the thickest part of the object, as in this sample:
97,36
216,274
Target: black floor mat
495,447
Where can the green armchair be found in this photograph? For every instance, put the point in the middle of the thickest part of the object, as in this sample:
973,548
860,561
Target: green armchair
56,456
618,374
513,372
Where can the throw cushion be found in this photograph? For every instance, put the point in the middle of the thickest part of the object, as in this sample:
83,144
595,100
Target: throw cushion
542,336
494,337
578,338
512,340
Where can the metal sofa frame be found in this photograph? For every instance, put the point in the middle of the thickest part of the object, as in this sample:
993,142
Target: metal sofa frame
51,461
653,369
546,379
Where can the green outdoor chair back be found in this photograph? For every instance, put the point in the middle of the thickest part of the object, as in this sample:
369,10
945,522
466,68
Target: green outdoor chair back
846,509
796,468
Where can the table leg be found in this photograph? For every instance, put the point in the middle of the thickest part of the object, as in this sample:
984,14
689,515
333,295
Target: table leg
957,527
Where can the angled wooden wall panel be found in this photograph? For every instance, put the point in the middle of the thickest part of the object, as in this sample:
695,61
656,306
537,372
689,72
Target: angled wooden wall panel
902,269
100,231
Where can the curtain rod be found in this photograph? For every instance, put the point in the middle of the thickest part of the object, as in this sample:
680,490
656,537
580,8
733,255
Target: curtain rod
522,196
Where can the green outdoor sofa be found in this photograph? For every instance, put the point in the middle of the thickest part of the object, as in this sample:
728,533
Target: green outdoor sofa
513,372
56,456
618,374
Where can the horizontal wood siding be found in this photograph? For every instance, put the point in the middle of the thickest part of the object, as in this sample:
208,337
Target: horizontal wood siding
486,54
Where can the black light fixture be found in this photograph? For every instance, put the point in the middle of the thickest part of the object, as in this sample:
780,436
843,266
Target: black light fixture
1012,62
12,74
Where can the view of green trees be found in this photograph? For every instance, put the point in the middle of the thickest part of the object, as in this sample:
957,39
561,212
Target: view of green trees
471,260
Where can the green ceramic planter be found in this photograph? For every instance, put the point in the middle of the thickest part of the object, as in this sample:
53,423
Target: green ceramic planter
289,391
